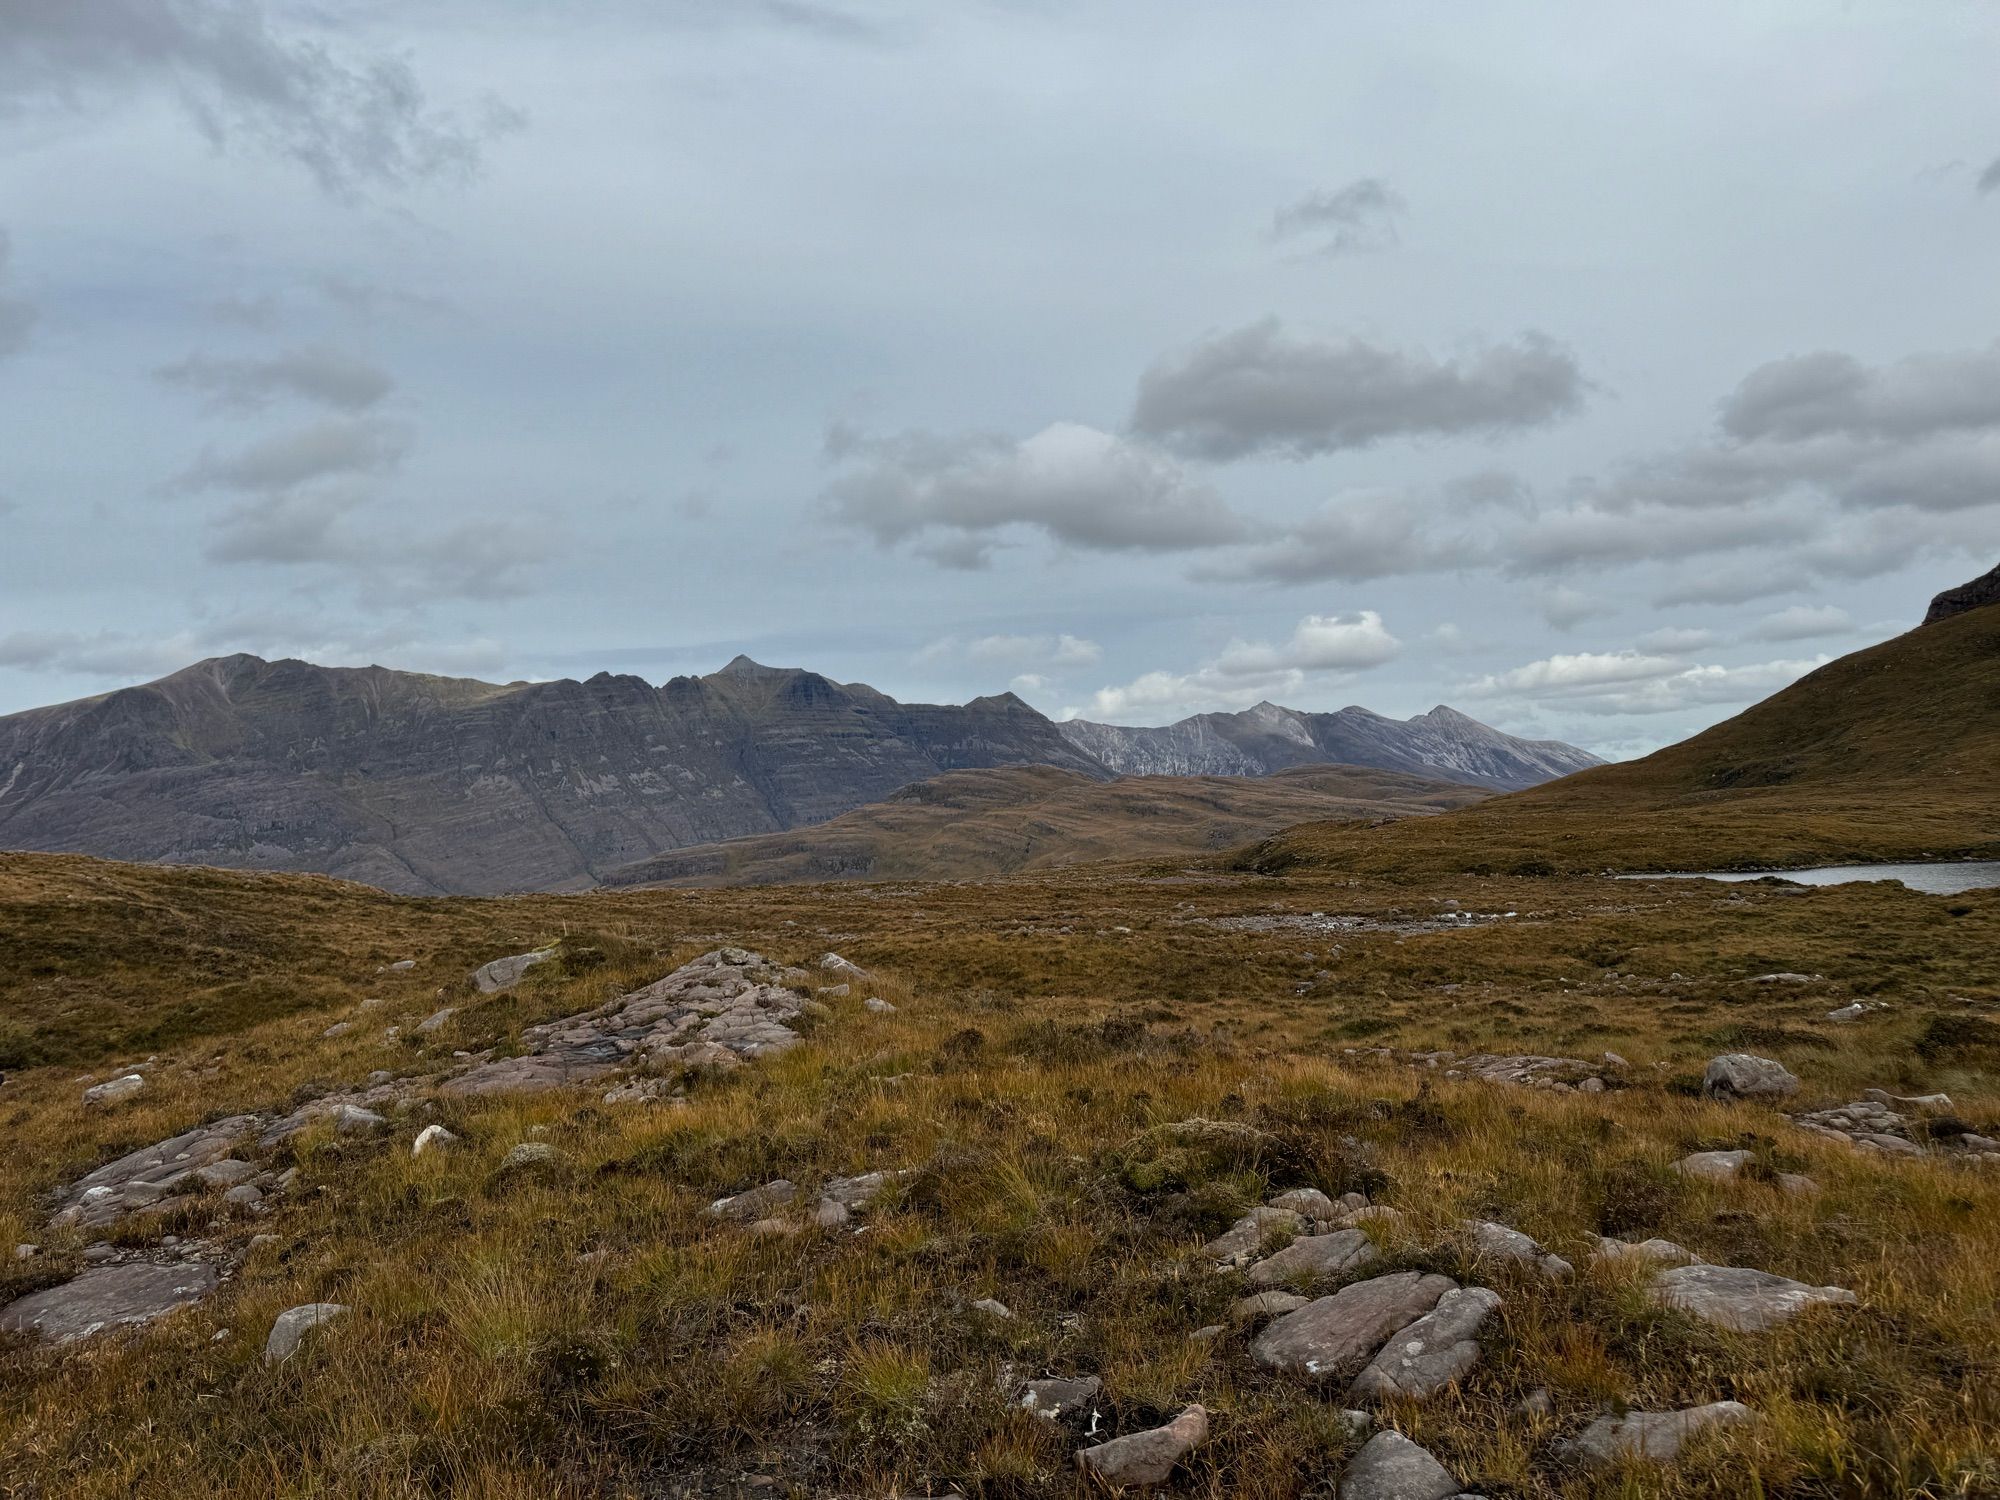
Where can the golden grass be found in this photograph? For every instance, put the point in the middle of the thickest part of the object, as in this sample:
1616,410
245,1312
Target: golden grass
589,1332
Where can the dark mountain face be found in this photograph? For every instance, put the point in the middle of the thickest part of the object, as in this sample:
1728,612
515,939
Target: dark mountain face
1268,738
430,784
1981,593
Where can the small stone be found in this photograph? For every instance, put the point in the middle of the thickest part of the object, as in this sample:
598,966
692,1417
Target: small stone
1847,1013
1247,1235
436,1019
1655,1435
1143,1458
836,991
1783,979
1796,1185
1052,1398
1740,1299
1433,1352
1714,1166
1537,1405
993,1307
1928,1103
429,1136
338,1028
114,1091
1208,1334
1591,1085
243,1195
26,1252
1613,1060
402,966
1391,1467
1654,1252
831,1213
772,1228
1739,1075
261,1241
1499,1242
221,1335
878,1006
225,1173
294,1323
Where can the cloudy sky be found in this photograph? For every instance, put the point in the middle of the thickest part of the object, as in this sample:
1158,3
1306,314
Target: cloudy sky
1594,369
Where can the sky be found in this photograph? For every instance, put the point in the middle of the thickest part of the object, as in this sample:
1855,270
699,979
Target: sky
1597,370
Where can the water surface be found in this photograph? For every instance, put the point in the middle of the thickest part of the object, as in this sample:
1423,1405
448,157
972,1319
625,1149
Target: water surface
1933,879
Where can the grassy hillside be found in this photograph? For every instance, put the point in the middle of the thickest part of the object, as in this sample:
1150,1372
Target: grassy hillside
1890,753
971,825
586,1330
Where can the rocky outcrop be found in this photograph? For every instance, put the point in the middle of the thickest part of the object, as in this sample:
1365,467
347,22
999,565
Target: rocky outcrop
1981,593
727,1003
1267,738
1334,1334
1740,1075
106,1297
1740,1299
1433,1352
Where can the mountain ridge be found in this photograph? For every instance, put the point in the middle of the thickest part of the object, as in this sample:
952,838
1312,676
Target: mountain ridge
425,784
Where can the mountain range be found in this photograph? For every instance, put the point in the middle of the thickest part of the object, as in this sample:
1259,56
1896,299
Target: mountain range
427,784
1443,743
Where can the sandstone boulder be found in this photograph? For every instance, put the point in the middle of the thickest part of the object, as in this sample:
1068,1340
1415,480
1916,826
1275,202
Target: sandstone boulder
1332,1335
1143,1458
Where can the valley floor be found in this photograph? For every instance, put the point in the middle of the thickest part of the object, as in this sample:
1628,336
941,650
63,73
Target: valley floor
1077,1083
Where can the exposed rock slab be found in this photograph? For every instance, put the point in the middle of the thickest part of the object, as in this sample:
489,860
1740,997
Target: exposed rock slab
1433,1352
1523,1070
730,999
1658,1436
1740,1299
104,1297
1315,1256
1333,1334
1741,1075
141,1178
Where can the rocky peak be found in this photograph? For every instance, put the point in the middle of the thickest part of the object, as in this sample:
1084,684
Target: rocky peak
1978,594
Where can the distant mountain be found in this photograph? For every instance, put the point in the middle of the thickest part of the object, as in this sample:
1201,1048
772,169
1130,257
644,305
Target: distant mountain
980,824
434,784
1890,753
1267,738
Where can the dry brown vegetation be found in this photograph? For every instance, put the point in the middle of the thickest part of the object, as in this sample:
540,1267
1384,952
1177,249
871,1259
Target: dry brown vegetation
1045,1027
978,824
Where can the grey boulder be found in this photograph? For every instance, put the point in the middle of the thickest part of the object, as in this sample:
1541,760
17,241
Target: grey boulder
1433,1352
294,1323
1143,1458
1391,1467
115,1090
1738,1075
1333,1334
505,973
1052,1398
1314,1256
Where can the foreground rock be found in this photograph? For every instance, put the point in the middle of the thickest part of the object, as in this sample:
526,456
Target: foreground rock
294,1323
1333,1334
114,1091
1739,1075
1740,1299
1243,1239
1391,1467
1655,1435
730,999
1056,1397
1433,1352
105,1297
1491,1241
1316,1256
505,973
1143,1458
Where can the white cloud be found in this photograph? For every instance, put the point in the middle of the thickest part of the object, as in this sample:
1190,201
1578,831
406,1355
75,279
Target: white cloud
1565,608
1633,682
1053,653
327,376
1672,640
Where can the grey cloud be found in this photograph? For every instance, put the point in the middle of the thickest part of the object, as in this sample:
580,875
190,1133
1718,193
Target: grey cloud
1989,180
327,376
290,527
1081,487
1814,395
1738,584
337,447
17,315
104,653
1355,538
1803,622
1259,390
239,74
1348,220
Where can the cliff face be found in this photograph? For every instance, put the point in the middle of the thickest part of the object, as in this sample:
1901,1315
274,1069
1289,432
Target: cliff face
1978,594
428,784
1268,738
